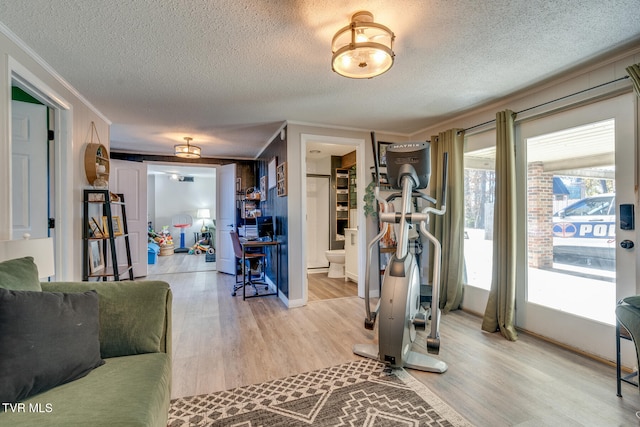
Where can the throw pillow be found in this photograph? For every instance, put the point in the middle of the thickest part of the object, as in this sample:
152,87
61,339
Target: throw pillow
20,274
46,339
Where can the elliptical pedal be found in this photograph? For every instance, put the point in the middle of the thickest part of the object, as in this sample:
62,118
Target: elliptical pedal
420,321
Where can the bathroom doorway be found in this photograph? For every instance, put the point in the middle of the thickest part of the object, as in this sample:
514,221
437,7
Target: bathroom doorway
327,164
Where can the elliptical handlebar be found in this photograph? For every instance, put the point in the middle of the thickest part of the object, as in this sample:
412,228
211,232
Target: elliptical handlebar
417,194
370,320
433,339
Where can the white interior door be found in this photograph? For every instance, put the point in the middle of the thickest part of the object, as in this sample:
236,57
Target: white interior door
225,217
317,221
130,179
29,169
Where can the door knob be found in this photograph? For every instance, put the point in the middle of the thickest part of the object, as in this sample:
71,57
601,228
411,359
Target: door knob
626,244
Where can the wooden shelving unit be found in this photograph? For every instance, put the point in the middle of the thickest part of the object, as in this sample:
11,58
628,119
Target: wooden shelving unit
353,188
105,237
342,200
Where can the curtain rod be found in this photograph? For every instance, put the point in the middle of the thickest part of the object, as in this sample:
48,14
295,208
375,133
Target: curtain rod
548,102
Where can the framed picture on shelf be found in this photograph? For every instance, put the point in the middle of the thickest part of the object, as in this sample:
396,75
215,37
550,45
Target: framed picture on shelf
95,228
382,153
263,188
117,226
96,262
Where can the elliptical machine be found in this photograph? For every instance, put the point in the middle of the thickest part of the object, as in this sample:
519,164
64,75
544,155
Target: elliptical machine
399,310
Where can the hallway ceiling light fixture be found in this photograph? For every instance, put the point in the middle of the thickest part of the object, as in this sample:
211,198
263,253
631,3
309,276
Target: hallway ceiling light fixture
187,151
362,49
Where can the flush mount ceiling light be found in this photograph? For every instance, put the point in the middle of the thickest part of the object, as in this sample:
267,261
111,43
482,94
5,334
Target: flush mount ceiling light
362,49
187,150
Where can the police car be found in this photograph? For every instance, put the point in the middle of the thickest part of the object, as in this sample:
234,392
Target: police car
585,231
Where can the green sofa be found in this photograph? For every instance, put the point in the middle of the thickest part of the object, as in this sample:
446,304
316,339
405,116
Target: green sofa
132,387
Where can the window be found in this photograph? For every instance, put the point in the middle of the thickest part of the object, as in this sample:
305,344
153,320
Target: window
571,220
479,196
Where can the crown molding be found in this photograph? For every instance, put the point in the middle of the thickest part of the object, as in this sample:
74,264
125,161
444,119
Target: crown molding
49,69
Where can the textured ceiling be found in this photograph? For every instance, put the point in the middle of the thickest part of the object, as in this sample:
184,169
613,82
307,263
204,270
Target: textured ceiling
229,72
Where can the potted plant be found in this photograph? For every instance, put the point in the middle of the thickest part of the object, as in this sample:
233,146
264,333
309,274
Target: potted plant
369,199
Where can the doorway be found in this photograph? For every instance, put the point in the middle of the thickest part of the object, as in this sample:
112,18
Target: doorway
321,159
181,204
54,186
576,168
591,150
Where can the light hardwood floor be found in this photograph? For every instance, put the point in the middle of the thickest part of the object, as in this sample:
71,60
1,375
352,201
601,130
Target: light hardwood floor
222,342
322,287
181,263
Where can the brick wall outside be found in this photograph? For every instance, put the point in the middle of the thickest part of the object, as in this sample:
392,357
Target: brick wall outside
539,216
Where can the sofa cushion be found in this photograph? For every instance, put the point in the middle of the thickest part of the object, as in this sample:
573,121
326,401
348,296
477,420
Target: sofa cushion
633,300
46,339
126,391
20,274
134,316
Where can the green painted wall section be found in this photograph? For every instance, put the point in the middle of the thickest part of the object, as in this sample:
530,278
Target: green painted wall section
18,94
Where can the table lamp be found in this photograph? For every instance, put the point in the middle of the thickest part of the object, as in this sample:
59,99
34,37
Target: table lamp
203,214
40,249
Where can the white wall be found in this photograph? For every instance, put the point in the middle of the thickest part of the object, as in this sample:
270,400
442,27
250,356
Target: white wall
319,166
73,126
175,198
297,176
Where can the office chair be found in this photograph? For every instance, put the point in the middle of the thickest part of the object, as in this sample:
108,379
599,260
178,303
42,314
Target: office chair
251,258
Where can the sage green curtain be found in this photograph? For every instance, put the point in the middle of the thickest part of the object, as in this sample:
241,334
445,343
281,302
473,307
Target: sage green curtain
634,73
449,228
500,312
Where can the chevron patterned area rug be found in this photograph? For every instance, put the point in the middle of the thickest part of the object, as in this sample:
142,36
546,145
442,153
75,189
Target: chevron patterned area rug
360,393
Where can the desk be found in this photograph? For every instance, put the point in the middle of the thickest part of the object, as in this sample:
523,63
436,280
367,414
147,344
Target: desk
251,244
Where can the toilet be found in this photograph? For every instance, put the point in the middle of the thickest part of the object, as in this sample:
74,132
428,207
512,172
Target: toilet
336,263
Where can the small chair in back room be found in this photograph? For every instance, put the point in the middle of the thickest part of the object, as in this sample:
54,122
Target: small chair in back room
251,258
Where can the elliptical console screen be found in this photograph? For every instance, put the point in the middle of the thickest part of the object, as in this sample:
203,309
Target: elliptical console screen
411,159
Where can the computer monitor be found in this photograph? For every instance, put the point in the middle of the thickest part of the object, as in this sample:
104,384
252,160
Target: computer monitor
265,227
